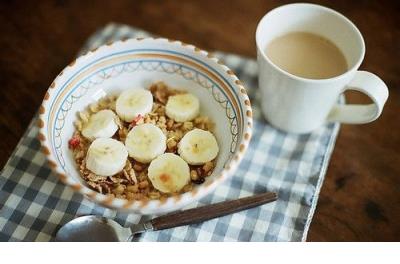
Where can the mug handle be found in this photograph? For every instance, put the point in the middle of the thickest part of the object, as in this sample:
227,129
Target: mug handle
369,84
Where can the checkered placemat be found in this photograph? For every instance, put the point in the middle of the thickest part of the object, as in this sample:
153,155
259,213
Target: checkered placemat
34,204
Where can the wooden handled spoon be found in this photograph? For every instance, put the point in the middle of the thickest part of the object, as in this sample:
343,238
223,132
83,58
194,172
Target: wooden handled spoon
97,228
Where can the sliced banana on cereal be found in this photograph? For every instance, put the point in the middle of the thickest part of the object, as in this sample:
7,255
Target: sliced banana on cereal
182,107
106,156
198,146
145,142
169,173
132,103
100,125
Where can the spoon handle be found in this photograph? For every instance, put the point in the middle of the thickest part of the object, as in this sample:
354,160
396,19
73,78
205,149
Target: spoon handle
204,213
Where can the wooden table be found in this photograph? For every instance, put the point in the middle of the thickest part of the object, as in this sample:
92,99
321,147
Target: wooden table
360,199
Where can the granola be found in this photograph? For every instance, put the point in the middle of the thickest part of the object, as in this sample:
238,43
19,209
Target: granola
132,183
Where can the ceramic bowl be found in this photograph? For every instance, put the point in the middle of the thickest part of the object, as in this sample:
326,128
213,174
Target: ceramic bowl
139,63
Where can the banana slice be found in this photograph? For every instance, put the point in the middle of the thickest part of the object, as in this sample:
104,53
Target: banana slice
182,107
134,102
106,157
145,142
198,146
169,173
100,125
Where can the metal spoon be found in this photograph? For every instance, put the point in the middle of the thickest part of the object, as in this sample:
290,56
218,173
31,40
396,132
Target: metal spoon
97,228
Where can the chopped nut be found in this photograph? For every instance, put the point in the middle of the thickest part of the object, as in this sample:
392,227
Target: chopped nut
178,125
94,178
80,154
130,196
154,108
171,144
161,110
177,135
199,120
128,165
138,196
208,166
78,125
188,188
112,105
140,121
118,122
162,126
193,175
202,122
143,184
94,107
160,92
122,133
144,191
142,176
112,97
93,185
103,103
163,198
119,189
154,195
187,125
105,188
84,116
137,167
170,123
133,176
83,165
149,120
116,179
130,175
162,119
132,188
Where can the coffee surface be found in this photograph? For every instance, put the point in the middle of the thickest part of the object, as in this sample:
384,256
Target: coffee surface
307,55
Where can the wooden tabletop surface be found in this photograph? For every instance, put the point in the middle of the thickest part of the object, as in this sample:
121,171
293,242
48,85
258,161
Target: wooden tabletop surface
360,198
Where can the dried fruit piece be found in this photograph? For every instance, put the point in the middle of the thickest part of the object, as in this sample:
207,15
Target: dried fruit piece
136,120
74,142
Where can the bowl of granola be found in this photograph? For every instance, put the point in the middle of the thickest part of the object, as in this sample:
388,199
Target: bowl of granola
145,125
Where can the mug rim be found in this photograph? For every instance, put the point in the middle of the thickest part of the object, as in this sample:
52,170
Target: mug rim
326,9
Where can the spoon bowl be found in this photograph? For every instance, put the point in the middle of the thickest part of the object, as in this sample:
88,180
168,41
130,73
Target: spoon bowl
93,228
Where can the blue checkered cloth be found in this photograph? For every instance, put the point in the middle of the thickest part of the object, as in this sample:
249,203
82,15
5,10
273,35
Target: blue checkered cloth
34,204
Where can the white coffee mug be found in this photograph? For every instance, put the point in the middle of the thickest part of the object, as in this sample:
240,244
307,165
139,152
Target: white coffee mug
301,105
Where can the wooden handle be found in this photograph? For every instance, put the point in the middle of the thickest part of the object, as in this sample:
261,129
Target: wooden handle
204,213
